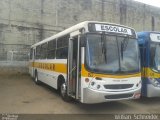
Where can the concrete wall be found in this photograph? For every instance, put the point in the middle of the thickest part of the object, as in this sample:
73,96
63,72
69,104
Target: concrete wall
25,22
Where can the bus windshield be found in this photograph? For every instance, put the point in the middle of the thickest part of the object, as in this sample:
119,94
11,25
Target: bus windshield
112,54
155,56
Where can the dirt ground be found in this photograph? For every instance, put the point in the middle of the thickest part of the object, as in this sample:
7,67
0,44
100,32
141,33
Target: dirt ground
20,95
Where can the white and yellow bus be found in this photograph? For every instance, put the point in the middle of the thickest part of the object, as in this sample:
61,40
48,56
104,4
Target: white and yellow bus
91,62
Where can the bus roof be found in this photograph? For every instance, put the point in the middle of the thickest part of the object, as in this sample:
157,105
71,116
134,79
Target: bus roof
74,28
144,33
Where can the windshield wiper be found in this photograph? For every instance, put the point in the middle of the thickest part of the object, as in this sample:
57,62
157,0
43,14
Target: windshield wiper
103,41
124,44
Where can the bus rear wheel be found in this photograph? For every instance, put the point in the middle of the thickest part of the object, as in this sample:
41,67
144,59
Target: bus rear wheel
63,92
36,78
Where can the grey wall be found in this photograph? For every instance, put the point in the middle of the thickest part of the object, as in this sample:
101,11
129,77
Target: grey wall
25,22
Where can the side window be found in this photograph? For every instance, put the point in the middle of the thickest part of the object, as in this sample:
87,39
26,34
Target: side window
43,53
38,50
62,47
31,54
51,53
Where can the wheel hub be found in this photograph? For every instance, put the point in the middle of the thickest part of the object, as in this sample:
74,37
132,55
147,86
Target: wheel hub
63,89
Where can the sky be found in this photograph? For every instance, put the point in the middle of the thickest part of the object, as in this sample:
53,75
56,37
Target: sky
151,2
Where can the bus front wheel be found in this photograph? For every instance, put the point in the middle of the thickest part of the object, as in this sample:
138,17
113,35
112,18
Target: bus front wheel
63,92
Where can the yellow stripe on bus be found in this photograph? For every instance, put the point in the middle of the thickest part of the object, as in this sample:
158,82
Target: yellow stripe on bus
85,73
148,72
62,68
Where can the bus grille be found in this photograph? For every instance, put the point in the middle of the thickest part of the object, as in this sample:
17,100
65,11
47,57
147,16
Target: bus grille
118,86
120,96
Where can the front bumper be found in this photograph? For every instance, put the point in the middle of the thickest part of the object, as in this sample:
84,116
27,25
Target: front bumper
153,91
94,96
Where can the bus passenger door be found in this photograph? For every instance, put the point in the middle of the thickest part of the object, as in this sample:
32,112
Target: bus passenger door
73,83
31,62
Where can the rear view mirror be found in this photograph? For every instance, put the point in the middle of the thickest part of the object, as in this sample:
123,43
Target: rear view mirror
83,40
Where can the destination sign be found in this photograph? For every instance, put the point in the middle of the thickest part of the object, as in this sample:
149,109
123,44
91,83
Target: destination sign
113,28
155,37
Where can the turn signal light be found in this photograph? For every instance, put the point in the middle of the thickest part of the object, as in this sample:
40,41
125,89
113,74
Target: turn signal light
86,80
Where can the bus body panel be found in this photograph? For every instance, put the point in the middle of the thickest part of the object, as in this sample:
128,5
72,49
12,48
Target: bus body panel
152,91
49,70
122,86
93,95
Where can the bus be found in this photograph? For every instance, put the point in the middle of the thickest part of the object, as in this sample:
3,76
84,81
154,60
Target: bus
149,44
91,62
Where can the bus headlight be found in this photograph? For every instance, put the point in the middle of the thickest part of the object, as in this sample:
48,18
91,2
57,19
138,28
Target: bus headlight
154,82
95,86
92,83
98,86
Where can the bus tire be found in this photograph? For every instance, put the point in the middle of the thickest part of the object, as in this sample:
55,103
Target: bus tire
36,78
63,92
